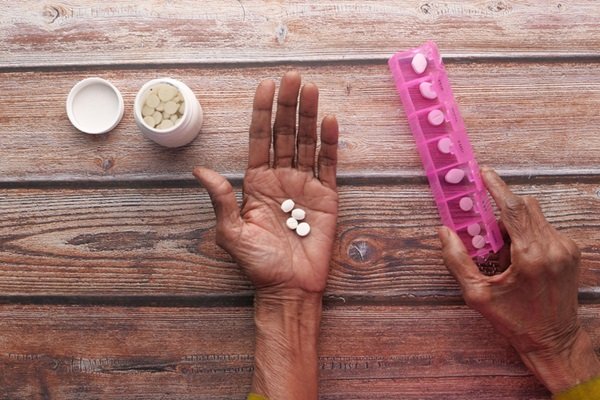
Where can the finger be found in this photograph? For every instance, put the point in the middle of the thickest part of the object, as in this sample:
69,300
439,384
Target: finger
222,197
456,258
260,127
328,152
307,127
284,128
513,209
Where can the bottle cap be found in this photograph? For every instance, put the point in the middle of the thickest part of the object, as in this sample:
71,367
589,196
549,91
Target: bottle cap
95,106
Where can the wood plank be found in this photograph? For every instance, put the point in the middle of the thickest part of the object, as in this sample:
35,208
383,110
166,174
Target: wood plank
160,242
526,119
37,33
74,352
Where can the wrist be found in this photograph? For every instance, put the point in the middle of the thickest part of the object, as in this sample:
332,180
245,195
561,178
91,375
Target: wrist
565,366
287,331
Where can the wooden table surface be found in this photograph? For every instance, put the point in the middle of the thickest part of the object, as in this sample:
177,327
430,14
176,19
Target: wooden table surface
111,285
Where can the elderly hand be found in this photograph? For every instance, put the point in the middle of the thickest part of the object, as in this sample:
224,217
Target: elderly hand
533,303
288,271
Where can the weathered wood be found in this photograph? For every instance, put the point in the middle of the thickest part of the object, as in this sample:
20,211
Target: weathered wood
524,119
68,352
37,33
160,242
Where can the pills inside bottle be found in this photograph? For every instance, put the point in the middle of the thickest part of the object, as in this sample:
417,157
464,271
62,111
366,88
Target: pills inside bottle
163,107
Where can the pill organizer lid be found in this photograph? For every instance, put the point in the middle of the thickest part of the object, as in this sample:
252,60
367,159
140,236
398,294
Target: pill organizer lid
94,106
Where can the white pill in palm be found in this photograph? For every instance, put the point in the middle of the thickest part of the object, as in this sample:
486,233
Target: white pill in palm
478,241
466,204
444,145
292,223
419,63
454,176
287,205
426,89
303,229
436,117
299,214
474,229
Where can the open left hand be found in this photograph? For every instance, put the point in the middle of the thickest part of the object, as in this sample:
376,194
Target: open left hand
273,256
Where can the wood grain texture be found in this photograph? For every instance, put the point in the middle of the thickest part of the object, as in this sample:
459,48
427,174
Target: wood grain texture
42,33
525,119
160,242
74,352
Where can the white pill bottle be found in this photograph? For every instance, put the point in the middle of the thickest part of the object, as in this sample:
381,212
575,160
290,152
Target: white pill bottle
185,129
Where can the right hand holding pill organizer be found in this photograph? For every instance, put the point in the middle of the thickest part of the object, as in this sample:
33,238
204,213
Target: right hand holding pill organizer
533,303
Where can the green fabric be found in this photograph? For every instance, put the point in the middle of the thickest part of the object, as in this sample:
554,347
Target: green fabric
589,390
254,396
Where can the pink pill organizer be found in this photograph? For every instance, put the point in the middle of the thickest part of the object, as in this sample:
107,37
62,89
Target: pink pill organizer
445,150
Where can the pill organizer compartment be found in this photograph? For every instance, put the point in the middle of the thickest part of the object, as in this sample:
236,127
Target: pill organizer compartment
417,100
461,214
437,149
430,130
469,241
408,73
451,190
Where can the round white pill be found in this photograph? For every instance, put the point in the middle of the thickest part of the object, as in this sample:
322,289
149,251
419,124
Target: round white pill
444,145
299,214
287,205
419,63
454,176
150,121
466,204
147,111
426,89
478,241
436,117
157,117
292,223
303,229
474,229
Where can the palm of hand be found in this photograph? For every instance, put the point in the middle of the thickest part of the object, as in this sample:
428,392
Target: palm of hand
268,251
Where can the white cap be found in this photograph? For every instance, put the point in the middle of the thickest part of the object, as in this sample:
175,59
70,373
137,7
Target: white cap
94,106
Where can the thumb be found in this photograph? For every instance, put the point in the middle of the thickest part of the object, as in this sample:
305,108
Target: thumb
456,257
222,198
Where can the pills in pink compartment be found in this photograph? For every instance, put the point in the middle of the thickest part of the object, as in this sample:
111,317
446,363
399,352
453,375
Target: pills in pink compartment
466,204
419,63
454,176
426,89
444,145
474,229
436,117
478,241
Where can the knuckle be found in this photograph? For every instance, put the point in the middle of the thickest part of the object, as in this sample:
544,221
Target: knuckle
515,204
476,298
531,202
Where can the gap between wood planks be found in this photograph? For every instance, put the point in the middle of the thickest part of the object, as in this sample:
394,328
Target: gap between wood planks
554,176
449,58
586,296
